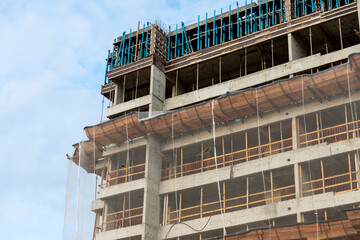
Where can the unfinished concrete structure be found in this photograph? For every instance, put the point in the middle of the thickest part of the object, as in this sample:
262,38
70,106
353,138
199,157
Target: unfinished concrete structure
242,126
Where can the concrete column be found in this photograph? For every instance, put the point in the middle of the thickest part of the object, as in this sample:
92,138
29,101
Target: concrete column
151,212
296,51
119,92
287,10
295,133
157,89
297,188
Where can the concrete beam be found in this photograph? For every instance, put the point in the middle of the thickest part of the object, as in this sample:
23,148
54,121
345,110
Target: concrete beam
264,164
129,105
261,213
97,205
121,188
122,233
283,70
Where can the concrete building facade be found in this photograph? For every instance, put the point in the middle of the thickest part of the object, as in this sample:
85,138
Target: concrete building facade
242,126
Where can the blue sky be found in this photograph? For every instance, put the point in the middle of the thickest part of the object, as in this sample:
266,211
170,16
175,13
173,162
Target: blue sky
52,61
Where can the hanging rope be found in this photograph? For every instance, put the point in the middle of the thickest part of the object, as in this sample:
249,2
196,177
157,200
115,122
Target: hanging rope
127,167
259,144
69,170
216,168
309,167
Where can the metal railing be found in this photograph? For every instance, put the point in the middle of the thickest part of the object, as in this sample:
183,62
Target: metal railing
340,183
236,157
123,218
124,175
338,133
233,204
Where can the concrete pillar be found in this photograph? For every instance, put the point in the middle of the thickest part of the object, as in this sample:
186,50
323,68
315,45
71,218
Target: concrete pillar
296,51
157,90
151,212
297,188
295,133
119,93
287,10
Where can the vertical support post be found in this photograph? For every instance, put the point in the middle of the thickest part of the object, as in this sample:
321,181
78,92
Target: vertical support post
179,219
301,182
224,198
169,44
239,65
107,171
127,166
260,16
142,40
298,132
247,192
197,76
357,169
181,162
206,31
245,23
350,172
310,37
147,40
269,133
198,33
202,157
317,127
281,11
245,61
272,187
201,201
128,53
220,69
214,27
237,20
251,16
123,212
267,14
221,27
347,125
107,66
272,52
230,24
176,41
341,40
322,175
223,150
137,41
182,39
246,146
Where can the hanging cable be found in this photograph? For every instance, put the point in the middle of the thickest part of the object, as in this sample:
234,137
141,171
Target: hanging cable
196,230
309,167
216,168
260,152
78,191
174,152
127,167
69,170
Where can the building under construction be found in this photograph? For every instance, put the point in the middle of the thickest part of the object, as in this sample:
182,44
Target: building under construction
244,125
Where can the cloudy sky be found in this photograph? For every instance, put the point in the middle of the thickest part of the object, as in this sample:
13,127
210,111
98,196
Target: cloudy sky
52,62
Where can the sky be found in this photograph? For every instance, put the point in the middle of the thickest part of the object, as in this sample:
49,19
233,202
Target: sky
52,63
